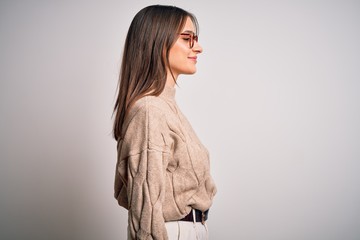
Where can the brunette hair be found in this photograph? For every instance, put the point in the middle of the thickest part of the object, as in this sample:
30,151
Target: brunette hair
145,60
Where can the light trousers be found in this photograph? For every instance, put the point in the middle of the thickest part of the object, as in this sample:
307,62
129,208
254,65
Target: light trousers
182,230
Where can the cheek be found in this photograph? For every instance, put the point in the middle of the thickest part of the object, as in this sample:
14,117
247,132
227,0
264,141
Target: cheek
179,49
175,55
174,52
178,57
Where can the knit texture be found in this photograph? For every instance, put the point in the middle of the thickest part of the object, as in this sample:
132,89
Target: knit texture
163,170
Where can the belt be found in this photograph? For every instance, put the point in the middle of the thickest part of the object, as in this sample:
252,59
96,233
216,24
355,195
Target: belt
199,216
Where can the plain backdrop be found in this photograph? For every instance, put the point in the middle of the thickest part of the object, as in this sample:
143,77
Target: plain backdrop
275,100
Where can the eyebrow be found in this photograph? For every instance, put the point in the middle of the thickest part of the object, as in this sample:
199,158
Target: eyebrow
188,32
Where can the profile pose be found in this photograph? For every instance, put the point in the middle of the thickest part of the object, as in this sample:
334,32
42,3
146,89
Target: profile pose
163,171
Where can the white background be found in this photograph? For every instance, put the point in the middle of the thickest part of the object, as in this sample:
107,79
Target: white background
275,100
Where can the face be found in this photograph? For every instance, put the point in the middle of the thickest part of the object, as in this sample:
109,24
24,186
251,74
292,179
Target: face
182,58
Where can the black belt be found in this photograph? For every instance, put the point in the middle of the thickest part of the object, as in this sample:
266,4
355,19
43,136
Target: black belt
199,215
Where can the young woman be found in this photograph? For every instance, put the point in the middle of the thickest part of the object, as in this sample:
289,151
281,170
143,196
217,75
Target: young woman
162,173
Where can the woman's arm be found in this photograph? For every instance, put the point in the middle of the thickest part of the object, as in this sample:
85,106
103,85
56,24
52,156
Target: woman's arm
146,196
143,163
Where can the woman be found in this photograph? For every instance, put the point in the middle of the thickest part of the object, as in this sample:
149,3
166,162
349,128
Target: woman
162,173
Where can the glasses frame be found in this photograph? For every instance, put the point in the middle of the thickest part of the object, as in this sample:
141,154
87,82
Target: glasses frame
192,38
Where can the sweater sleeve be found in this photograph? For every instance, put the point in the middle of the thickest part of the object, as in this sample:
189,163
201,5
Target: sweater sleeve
145,151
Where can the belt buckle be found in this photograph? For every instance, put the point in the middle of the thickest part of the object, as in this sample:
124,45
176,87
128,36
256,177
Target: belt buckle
202,218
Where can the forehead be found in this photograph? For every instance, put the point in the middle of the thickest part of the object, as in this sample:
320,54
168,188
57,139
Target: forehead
189,26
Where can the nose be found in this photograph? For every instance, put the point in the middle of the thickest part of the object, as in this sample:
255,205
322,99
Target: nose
197,47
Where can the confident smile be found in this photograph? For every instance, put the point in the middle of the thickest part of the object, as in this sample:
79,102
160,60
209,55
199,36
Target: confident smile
193,58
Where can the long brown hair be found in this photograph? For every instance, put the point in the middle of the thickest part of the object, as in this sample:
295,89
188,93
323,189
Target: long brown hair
145,60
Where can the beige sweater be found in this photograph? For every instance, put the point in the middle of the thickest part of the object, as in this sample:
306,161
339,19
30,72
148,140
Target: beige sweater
162,170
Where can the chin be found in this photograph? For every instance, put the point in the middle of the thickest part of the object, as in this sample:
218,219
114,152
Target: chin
187,71
191,71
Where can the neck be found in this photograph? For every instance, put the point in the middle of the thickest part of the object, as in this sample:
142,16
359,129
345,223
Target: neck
170,81
168,93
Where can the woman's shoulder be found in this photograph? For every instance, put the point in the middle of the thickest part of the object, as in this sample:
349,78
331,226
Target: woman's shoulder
151,104
147,117
149,107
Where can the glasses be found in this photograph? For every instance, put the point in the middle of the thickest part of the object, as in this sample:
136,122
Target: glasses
192,38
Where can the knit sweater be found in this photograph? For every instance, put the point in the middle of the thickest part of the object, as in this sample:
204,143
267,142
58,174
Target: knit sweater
163,170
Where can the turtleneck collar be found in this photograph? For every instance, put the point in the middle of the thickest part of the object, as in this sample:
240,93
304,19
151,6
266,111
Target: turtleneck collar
168,93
